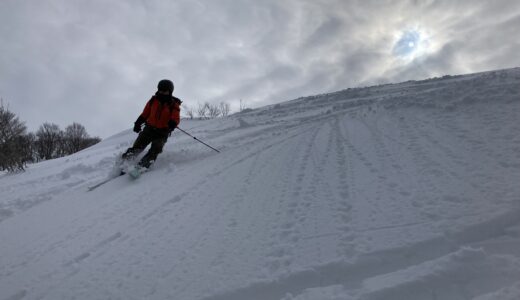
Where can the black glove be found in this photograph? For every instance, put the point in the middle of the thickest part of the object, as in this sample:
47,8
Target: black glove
137,127
138,123
171,125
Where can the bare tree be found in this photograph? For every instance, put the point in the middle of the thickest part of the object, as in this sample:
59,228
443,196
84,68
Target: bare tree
31,152
202,110
213,110
49,141
91,141
74,138
210,111
242,106
25,150
13,154
188,111
17,148
225,108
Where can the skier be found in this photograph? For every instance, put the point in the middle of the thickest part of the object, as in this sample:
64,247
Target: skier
161,115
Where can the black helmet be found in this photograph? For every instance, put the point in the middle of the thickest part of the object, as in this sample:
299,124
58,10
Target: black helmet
165,85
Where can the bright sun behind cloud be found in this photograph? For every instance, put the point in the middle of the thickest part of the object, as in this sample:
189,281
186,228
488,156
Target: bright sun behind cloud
411,44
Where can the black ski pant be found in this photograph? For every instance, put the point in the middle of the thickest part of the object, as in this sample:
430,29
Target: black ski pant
149,135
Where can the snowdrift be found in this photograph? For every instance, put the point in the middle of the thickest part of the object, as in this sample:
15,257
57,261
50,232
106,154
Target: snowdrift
401,191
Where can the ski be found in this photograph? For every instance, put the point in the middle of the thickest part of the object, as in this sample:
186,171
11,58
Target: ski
136,171
95,186
125,167
118,170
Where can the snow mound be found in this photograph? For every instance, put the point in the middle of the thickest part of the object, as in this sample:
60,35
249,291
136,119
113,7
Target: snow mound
401,191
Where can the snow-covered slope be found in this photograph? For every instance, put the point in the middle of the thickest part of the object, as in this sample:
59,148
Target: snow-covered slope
405,191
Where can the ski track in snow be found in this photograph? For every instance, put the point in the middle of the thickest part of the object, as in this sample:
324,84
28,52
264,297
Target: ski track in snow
405,191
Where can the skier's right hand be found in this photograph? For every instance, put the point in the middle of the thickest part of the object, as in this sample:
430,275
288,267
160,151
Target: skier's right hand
137,127
138,123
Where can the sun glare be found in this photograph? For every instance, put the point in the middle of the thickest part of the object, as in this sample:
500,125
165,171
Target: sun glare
410,44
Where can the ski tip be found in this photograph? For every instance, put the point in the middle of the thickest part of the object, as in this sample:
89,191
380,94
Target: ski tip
134,174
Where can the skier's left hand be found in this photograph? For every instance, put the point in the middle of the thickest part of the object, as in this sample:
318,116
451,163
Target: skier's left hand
137,128
138,123
172,125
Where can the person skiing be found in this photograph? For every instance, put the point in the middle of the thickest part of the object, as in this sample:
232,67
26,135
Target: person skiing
161,115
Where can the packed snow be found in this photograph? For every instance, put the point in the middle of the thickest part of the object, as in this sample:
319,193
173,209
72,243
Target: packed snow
400,191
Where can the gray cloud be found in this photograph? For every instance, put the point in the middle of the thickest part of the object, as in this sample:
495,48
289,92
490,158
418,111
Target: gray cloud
97,62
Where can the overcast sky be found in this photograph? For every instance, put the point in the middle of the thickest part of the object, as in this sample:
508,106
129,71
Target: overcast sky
97,62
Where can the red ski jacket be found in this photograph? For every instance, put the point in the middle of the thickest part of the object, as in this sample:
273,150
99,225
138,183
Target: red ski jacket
157,114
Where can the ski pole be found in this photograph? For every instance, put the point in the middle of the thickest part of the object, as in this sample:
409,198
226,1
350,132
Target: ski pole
197,139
